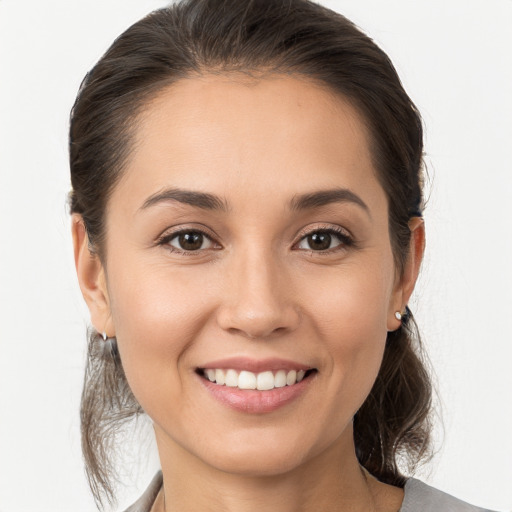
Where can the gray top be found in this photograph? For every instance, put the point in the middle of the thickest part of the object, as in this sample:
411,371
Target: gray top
418,497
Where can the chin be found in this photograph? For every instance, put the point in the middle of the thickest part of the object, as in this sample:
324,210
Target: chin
259,462
267,453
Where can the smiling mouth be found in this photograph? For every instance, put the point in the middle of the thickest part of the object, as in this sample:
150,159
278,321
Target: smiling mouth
262,381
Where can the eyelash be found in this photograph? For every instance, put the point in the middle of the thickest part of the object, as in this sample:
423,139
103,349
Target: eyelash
345,239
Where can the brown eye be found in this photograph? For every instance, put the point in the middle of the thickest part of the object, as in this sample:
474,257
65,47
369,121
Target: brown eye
323,240
319,241
190,241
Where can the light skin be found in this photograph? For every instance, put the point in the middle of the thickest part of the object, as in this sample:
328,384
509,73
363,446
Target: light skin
294,262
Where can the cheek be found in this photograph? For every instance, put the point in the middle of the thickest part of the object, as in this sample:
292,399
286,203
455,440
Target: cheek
155,316
353,301
350,315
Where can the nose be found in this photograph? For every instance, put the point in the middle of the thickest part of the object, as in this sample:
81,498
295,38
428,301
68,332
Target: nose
258,300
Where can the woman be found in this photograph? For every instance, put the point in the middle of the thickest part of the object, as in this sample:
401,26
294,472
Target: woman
247,225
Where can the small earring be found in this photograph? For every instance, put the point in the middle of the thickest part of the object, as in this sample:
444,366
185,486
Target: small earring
109,346
398,315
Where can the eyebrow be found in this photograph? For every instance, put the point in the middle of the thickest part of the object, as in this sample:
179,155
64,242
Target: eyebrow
208,201
198,199
324,197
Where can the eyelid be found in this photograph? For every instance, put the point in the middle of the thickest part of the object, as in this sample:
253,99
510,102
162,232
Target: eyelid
313,228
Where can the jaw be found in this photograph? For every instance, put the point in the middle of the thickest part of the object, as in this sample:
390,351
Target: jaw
293,486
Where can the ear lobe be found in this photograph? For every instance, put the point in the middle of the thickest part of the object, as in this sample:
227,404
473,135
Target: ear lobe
405,286
91,278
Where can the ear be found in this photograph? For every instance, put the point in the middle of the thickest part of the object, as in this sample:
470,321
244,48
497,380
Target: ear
91,278
405,284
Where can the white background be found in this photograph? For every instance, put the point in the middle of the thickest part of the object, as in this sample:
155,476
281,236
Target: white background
455,59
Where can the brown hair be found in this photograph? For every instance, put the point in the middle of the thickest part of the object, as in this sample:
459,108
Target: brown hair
281,36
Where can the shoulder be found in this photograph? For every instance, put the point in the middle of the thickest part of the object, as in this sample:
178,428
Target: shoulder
421,497
145,502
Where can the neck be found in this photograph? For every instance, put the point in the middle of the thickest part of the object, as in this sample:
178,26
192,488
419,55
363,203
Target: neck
329,481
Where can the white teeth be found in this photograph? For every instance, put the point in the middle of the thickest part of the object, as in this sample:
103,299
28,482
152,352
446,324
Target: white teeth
246,380
291,378
262,381
231,378
220,377
265,380
280,379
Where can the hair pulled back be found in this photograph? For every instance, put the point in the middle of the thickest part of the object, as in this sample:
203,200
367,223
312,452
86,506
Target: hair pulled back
298,37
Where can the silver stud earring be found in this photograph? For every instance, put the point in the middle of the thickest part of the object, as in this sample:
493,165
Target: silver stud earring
109,346
398,315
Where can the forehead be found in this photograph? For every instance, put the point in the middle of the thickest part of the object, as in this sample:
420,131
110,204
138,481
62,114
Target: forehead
227,133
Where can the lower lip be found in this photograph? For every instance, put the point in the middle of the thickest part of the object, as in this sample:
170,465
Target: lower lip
253,401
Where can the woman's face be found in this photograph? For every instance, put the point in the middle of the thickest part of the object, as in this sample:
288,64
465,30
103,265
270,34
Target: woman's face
249,233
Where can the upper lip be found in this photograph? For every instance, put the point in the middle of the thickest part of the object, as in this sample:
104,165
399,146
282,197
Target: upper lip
255,365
